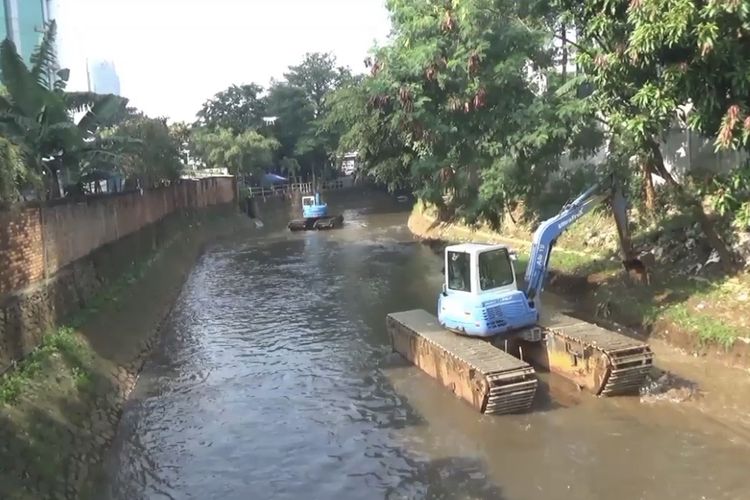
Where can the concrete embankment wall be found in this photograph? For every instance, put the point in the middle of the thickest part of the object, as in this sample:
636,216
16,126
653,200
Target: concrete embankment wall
54,258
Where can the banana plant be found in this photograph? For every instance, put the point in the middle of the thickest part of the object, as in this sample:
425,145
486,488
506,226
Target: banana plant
37,113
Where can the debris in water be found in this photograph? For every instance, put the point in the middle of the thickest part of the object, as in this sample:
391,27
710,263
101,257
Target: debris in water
668,387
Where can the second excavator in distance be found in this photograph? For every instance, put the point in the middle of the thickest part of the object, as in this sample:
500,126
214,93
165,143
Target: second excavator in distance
315,216
487,328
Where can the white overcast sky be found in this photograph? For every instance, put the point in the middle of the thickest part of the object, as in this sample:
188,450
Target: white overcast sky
171,55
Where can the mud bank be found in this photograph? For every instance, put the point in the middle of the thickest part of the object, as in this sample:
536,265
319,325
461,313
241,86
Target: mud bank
59,409
598,296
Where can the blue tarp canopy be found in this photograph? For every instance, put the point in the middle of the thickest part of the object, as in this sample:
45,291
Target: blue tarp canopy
274,178
271,179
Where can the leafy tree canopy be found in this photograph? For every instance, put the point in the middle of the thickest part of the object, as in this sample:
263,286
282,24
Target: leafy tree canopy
237,108
317,75
36,114
247,153
463,104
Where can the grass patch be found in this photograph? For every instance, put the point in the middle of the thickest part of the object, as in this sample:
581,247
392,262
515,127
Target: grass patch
708,330
63,342
569,262
58,403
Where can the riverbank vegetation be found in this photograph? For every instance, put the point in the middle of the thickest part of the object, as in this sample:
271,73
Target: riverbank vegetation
497,112
60,404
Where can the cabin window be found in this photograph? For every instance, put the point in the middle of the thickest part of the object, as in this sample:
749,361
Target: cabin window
308,201
495,269
459,271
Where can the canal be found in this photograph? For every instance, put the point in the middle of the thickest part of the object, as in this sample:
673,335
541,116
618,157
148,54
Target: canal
274,379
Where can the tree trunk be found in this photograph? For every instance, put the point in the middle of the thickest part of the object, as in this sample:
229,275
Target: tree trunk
648,183
56,190
728,261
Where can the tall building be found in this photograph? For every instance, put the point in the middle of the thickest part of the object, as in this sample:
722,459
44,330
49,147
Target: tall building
103,78
23,22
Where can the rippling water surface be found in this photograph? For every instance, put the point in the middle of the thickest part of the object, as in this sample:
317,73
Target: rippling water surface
275,379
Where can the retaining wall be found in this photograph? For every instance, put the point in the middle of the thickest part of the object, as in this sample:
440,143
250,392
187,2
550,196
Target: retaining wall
54,258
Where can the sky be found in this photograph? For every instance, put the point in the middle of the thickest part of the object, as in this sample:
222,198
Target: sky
172,55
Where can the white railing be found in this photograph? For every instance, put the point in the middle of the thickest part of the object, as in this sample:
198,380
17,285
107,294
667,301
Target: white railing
192,173
299,187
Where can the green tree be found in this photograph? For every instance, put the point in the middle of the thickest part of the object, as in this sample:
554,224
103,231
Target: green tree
290,167
237,108
181,134
294,116
13,172
151,156
701,48
248,153
638,58
317,75
300,105
453,106
366,129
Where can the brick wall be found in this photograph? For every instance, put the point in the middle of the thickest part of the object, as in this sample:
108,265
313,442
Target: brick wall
37,242
21,249
55,259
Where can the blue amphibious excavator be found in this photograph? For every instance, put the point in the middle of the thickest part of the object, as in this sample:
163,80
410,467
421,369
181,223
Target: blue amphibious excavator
315,216
487,328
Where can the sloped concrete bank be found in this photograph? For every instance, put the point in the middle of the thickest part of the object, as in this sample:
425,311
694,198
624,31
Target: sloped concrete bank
60,406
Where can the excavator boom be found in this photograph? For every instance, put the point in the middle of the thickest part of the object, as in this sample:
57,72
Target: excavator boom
546,235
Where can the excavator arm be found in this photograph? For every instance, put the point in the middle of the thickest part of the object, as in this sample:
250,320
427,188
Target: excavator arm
547,233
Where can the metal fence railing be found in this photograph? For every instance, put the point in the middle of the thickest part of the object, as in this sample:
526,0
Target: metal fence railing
297,187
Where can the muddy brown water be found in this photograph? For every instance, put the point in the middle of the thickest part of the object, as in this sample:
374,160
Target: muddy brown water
275,379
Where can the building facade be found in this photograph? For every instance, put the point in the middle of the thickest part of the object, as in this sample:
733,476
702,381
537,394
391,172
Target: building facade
103,78
23,22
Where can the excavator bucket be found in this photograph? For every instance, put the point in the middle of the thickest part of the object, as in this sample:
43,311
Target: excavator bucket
633,265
